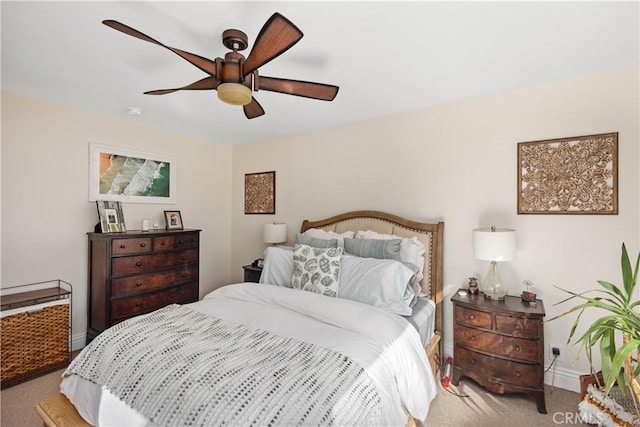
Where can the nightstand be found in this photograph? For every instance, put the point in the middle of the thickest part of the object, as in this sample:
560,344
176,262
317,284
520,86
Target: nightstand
499,345
252,273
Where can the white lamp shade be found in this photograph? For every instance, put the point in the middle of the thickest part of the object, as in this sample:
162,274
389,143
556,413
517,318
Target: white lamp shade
274,233
498,245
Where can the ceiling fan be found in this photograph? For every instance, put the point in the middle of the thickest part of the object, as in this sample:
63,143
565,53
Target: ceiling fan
235,76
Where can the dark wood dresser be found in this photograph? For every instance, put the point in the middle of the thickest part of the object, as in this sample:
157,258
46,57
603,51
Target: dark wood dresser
137,272
500,345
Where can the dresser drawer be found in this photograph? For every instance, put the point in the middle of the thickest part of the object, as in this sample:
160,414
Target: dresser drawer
130,246
163,243
151,281
520,374
146,263
472,317
500,345
520,326
132,306
187,240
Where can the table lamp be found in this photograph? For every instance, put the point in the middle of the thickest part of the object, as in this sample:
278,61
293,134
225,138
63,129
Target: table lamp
274,233
495,245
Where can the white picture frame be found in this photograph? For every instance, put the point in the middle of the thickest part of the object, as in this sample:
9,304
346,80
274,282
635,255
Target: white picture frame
123,175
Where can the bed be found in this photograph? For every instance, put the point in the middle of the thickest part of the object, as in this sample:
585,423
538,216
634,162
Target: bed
329,360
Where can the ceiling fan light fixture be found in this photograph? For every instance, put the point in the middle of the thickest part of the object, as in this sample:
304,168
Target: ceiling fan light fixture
234,93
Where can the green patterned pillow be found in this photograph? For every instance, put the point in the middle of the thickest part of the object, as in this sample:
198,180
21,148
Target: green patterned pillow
316,269
374,248
303,239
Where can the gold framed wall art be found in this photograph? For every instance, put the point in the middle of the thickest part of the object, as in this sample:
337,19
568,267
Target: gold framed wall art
577,175
260,193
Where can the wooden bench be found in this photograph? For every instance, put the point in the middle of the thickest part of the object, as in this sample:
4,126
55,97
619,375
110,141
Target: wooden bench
57,411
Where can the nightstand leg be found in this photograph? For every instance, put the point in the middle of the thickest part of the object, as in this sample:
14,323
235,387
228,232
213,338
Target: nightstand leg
455,376
540,403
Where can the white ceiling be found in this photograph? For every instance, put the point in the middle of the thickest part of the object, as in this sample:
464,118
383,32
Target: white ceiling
387,57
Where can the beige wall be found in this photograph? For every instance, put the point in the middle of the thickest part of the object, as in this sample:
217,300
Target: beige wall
46,211
457,163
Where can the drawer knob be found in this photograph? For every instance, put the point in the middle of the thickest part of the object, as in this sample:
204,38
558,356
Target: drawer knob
142,245
138,284
517,348
184,275
164,243
184,257
122,246
138,263
181,241
473,361
138,304
471,317
472,338
518,374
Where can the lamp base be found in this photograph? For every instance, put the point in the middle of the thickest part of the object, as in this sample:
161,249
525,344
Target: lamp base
494,297
492,284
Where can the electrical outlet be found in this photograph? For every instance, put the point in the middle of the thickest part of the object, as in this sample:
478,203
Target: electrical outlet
555,351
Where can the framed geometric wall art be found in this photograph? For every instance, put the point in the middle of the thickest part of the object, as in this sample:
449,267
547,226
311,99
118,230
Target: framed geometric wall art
123,175
260,193
577,175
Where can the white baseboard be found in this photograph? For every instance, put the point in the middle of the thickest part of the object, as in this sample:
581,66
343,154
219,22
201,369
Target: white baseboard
78,341
560,377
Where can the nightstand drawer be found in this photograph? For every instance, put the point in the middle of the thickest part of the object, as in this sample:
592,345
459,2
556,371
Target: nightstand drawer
500,345
471,317
521,374
518,326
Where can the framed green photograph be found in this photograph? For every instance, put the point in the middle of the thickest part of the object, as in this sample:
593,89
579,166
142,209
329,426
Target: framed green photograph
123,175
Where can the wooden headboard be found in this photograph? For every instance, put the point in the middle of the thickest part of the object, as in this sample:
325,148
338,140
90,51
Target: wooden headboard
431,234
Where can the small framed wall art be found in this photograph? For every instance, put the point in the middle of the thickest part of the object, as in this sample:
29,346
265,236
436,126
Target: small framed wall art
577,175
111,217
260,193
173,220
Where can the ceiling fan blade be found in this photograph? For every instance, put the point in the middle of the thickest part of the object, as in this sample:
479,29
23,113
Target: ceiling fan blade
206,65
312,90
253,109
207,83
276,36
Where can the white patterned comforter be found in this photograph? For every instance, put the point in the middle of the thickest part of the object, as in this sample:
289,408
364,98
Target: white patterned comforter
383,344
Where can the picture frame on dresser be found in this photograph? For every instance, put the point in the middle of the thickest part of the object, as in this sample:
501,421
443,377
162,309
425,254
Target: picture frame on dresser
111,217
173,220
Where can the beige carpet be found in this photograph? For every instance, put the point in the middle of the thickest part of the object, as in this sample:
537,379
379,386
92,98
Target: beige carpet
480,409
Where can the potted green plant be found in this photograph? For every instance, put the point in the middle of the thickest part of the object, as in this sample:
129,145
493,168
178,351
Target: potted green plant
621,318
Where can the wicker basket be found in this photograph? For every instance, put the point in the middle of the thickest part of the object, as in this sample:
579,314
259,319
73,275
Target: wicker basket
34,342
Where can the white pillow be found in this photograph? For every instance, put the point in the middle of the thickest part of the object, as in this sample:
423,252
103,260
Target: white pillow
382,283
328,235
316,269
278,264
412,250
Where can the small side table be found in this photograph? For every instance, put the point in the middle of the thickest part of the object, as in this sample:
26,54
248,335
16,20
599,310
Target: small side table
252,273
499,345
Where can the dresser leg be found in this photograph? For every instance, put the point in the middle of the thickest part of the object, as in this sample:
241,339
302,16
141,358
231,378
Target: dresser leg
540,403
